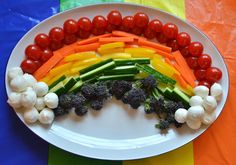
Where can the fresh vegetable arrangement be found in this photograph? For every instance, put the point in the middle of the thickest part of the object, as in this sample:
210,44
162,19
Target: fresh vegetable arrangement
81,65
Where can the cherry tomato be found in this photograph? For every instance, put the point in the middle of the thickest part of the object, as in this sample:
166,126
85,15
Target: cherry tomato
161,38
99,22
28,66
195,49
170,30
47,53
111,27
192,62
137,31
184,51
205,83
200,74
38,63
141,20
56,45
33,52
149,33
56,34
173,44
70,26
213,74
155,25
70,38
128,22
183,39
204,61
85,24
83,34
97,31
42,40
114,18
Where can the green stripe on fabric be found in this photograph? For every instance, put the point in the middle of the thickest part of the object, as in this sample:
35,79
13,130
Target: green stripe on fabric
69,4
60,157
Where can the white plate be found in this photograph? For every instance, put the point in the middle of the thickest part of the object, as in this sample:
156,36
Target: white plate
116,132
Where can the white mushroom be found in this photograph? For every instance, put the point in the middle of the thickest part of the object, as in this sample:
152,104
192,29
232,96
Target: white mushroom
28,99
201,90
14,72
216,91
18,84
41,88
181,115
46,116
30,80
14,100
39,105
195,113
195,100
51,100
194,124
208,118
209,103
31,115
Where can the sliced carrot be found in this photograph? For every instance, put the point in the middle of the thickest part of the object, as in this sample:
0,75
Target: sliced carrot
181,81
155,45
115,39
124,34
60,63
93,39
167,60
87,47
47,66
160,52
68,49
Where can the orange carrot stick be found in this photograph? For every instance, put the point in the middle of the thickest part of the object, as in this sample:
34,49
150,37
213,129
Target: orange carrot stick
60,63
155,45
160,52
87,47
115,39
93,39
125,34
181,81
68,49
47,66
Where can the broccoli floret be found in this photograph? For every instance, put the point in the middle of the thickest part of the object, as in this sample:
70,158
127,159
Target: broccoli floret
65,101
88,91
135,97
119,88
101,91
163,124
160,105
172,106
96,104
149,83
81,110
59,111
149,105
78,100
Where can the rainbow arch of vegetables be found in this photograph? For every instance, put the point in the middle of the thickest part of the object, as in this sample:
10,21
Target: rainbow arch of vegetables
64,69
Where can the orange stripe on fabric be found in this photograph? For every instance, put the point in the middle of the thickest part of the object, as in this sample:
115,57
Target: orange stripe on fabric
218,20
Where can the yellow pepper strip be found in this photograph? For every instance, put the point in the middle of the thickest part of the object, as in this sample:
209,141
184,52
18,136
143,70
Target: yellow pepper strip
112,45
116,56
188,90
160,62
160,66
58,70
80,56
139,51
140,55
108,51
86,62
53,79
157,56
77,69
45,79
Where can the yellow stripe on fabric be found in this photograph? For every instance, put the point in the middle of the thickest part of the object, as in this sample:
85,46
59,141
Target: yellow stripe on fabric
183,155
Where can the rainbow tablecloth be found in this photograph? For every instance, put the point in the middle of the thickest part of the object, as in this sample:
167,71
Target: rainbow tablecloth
216,146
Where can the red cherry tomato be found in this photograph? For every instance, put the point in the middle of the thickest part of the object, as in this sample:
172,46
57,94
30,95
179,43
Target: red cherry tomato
205,83
192,62
137,31
183,39
204,61
200,74
38,63
128,23
114,18
70,26
46,54
56,45
195,49
141,20
170,30
70,38
42,40
111,27
96,31
161,38
155,25
99,22
149,33
83,34
213,74
28,66
85,24
173,44
56,34
33,52
184,51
